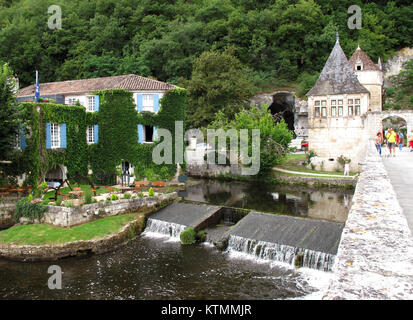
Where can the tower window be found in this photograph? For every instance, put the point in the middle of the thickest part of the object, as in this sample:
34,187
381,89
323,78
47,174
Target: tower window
359,67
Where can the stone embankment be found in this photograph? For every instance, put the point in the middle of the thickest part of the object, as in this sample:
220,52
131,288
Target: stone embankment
375,255
71,216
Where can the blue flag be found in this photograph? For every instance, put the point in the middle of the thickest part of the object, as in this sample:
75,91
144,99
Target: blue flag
37,89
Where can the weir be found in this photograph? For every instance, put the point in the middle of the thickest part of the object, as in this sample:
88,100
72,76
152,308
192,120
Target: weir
296,241
175,218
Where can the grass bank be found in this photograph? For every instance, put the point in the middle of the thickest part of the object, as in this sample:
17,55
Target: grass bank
293,162
37,234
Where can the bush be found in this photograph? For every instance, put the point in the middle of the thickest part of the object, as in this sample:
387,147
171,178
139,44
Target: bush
150,174
114,197
140,195
68,203
30,209
127,196
164,173
342,160
309,155
390,91
188,236
397,107
88,197
151,193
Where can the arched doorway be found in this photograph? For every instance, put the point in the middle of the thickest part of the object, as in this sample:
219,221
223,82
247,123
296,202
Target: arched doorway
283,103
398,124
55,175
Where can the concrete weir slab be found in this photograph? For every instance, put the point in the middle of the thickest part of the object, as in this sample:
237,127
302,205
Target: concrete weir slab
197,216
316,235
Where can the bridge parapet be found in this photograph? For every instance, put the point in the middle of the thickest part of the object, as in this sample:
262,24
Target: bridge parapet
375,255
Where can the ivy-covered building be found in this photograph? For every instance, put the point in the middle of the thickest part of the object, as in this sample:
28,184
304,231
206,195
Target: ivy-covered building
100,127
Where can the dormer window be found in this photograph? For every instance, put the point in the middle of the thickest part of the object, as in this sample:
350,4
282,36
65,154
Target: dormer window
359,67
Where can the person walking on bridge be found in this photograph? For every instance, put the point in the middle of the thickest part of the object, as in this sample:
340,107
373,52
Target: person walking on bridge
401,141
379,142
391,141
411,141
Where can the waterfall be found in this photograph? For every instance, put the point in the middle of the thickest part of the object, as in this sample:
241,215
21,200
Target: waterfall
262,250
160,228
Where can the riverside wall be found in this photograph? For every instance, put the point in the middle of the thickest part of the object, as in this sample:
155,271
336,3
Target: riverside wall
375,255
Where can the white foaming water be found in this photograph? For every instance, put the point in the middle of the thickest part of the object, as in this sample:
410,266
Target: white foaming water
163,229
262,251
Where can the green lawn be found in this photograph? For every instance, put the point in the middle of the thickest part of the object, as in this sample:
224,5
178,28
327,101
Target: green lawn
292,163
36,234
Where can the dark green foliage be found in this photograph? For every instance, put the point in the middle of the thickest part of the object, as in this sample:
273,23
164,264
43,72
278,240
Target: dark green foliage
9,113
29,209
276,39
305,82
274,133
188,236
88,196
219,82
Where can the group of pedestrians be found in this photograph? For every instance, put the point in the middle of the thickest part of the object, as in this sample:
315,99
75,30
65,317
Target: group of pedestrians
392,139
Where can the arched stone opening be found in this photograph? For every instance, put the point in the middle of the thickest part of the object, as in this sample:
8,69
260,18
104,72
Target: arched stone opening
57,174
397,123
283,103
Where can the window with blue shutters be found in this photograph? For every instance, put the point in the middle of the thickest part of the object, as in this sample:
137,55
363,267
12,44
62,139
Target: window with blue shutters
156,102
140,133
63,140
56,135
96,133
22,139
96,104
139,102
48,135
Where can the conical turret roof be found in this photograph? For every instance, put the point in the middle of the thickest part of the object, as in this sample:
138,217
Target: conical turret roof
337,76
359,56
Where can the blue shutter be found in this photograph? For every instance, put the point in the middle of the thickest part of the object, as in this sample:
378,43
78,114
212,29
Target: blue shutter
96,103
139,102
22,139
48,136
96,133
63,141
155,134
156,102
140,133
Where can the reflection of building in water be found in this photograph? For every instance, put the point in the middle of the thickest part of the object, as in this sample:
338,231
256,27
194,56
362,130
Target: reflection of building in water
272,198
329,206
346,201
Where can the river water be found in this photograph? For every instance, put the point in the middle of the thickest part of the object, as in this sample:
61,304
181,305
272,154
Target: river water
157,268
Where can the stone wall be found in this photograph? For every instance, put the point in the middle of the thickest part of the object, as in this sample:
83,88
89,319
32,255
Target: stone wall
7,207
375,256
68,217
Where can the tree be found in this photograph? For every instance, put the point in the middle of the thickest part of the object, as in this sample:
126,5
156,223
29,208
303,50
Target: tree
274,133
219,82
8,112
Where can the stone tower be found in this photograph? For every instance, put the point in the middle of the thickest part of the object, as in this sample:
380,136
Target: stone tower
337,105
370,76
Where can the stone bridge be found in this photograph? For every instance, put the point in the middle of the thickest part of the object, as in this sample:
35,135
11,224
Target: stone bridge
375,255
374,120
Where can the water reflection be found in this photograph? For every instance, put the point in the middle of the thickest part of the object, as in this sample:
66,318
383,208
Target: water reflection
297,201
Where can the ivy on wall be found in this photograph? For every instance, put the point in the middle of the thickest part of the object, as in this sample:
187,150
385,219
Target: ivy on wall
117,121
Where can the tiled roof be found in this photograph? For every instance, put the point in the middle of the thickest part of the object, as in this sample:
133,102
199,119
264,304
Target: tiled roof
127,82
337,76
359,56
